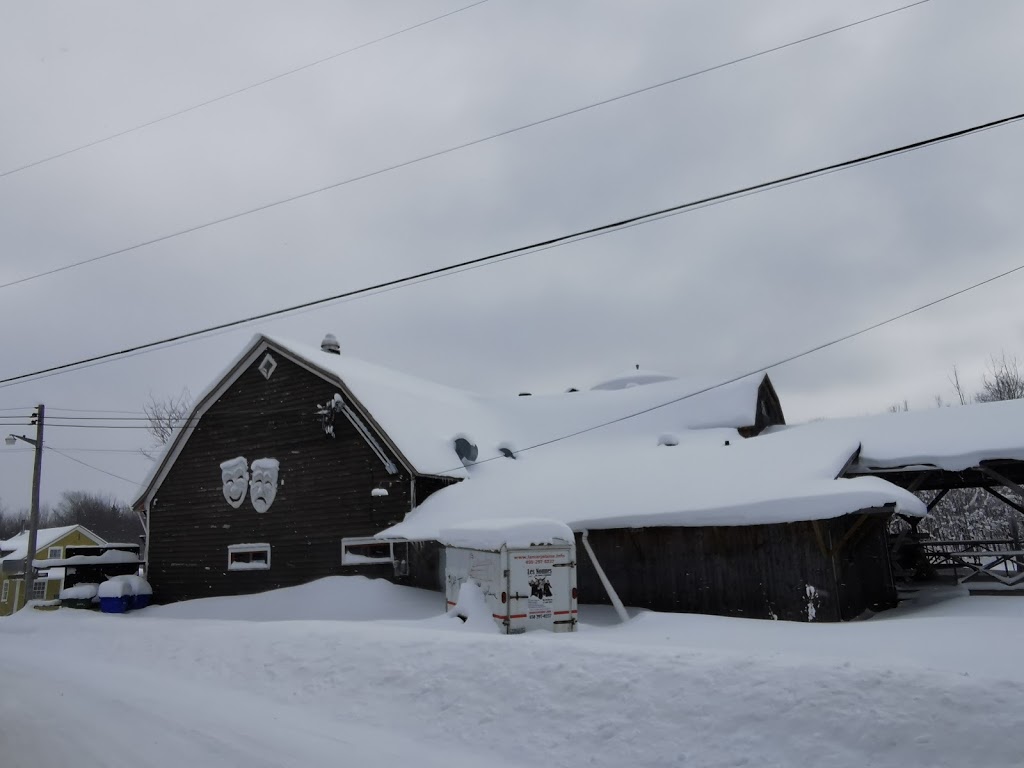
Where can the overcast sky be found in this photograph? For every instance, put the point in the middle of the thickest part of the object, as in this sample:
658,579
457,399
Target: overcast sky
722,290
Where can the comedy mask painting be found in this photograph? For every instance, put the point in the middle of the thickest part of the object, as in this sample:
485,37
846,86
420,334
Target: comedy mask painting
234,474
263,486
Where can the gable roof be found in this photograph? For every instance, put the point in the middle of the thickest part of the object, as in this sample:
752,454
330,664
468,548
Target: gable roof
420,420
17,546
423,418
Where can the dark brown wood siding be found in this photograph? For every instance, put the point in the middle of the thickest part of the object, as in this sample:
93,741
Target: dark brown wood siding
759,571
323,491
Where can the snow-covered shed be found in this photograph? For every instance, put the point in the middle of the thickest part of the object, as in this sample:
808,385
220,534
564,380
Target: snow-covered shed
707,523
295,449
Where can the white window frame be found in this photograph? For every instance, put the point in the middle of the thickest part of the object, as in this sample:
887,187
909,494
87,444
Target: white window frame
36,583
248,549
58,556
353,558
5,591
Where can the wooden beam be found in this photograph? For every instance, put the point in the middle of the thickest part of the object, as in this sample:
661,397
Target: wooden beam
1005,500
854,458
1003,481
938,497
918,481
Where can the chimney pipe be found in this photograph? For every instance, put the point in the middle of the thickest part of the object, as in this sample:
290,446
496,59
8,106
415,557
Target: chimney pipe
330,345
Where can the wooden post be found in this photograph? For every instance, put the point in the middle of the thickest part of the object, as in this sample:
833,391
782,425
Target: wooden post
33,523
1004,481
612,594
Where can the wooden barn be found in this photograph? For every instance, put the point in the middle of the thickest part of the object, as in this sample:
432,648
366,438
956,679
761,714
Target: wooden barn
296,456
300,462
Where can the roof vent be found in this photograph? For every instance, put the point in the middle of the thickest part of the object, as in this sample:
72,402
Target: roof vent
330,345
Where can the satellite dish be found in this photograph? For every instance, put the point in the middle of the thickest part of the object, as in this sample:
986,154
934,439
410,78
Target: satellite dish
465,450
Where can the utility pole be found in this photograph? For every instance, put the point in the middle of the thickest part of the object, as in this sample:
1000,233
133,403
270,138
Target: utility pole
33,522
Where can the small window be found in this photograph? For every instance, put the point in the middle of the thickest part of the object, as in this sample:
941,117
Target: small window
55,553
249,557
366,551
4,591
267,366
39,589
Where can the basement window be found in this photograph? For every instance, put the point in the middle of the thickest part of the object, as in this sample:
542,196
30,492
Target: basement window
249,557
367,551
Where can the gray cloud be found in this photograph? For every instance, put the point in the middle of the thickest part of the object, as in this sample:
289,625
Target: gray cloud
723,289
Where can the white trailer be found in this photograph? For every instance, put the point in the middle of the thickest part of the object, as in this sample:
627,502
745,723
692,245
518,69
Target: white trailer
526,570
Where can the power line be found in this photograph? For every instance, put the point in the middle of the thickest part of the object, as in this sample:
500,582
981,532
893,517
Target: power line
449,150
77,426
718,385
82,410
134,451
231,94
90,466
541,245
755,371
98,418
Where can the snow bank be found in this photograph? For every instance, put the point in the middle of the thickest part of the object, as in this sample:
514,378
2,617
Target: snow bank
471,609
336,598
662,690
514,533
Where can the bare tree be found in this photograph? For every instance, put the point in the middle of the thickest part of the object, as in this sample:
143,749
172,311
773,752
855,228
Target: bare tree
165,416
100,513
1003,381
10,524
958,389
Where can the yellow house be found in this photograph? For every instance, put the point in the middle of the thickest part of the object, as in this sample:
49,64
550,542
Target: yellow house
50,544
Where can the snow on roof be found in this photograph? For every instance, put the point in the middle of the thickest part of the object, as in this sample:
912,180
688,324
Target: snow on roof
423,418
601,484
953,438
17,546
504,532
110,557
633,378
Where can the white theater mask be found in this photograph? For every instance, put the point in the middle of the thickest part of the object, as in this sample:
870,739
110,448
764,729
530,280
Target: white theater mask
234,475
263,486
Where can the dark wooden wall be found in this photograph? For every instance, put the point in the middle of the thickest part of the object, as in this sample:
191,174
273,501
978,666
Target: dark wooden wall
757,571
323,491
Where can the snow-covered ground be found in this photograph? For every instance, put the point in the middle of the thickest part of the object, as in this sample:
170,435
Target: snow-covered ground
346,671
